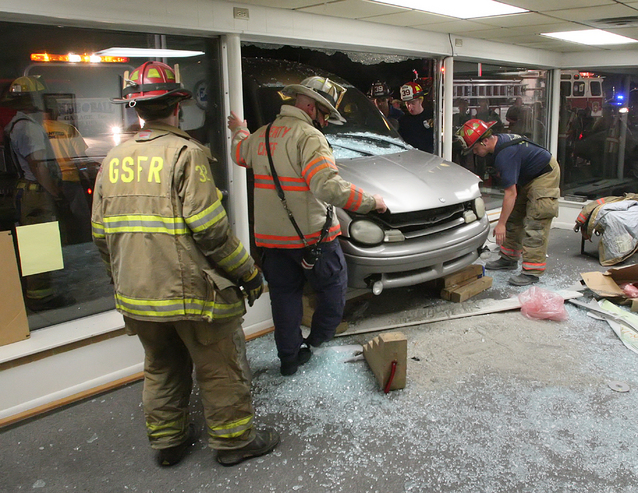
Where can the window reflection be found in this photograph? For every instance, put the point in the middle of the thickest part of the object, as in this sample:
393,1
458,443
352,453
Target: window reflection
59,124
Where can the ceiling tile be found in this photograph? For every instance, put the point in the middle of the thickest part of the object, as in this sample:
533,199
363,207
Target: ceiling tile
409,18
594,13
551,5
283,4
351,9
454,27
515,20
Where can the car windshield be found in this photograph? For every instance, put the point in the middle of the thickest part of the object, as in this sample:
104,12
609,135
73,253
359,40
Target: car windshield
365,133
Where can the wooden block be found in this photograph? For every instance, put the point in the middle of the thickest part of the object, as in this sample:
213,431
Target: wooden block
471,272
381,351
462,293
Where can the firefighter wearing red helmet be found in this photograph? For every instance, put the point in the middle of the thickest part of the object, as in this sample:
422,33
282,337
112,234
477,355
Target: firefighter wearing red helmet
417,126
177,269
530,177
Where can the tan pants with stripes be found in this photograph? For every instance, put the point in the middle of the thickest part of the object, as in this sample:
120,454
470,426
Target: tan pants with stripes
218,353
527,228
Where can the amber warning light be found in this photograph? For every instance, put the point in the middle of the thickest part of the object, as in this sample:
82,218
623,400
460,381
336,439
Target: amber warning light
72,58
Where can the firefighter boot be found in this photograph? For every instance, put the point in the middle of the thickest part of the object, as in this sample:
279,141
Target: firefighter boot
172,455
523,279
264,442
501,264
290,367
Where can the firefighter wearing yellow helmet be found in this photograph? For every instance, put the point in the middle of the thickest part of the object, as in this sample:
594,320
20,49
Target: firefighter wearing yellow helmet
295,225
177,269
29,153
530,177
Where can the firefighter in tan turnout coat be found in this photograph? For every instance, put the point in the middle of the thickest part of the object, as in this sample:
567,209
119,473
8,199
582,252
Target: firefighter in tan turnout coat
176,268
308,176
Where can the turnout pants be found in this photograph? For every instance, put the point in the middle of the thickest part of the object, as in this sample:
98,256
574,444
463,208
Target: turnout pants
527,228
218,352
286,278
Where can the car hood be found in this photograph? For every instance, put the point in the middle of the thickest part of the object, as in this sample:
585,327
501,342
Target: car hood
411,180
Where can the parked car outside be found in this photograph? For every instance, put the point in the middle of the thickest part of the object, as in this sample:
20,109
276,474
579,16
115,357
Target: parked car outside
436,222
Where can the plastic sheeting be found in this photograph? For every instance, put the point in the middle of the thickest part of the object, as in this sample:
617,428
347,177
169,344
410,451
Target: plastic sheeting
619,221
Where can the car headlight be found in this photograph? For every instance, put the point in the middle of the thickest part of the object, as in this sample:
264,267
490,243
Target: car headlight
479,207
366,232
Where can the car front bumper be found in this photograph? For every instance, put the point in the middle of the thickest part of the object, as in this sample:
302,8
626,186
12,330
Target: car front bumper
414,261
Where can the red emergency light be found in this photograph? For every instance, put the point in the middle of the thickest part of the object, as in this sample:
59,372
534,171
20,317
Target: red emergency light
72,58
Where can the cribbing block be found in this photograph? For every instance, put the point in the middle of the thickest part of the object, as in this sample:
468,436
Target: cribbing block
381,351
471,272
465,291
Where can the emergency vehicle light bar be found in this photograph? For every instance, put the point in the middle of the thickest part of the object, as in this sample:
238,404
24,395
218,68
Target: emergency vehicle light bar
72,58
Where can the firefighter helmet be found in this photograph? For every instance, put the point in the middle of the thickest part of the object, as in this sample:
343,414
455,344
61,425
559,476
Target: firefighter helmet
411,90
324,91
379,89
153,81
473,131
25,91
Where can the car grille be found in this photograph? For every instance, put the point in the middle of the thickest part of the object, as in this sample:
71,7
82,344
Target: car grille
431,221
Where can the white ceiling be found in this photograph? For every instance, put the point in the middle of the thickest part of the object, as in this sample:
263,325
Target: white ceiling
516,29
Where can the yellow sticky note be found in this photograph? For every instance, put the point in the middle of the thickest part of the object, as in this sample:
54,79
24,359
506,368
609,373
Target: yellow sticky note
40,248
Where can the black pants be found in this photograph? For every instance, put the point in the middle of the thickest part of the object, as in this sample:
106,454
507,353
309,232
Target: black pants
286,278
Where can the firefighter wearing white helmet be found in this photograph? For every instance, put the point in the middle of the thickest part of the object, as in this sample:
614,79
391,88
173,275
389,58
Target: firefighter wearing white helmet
310,184
417,126
177,268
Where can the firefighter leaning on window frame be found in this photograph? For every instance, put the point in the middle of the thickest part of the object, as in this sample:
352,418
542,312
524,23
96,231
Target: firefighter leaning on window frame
176,266
303,160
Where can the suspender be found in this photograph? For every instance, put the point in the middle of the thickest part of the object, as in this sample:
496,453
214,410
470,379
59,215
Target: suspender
514,142
282,197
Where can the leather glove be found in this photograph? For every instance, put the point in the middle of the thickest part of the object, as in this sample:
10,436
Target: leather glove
253,285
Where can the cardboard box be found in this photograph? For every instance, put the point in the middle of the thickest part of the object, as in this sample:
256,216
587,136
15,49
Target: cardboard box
607,284
14,325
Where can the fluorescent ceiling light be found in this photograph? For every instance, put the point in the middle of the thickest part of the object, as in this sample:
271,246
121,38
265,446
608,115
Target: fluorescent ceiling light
591,37
461,9
148,53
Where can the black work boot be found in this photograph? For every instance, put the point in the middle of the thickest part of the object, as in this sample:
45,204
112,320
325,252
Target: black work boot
170,456
264,442
502,264
290,367
523,279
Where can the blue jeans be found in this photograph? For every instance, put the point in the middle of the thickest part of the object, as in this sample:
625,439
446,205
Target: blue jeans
286,278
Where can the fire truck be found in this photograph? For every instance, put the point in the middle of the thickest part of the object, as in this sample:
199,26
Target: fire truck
582,90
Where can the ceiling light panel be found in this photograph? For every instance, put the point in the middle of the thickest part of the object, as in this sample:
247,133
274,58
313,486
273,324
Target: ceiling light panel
591,37
461,9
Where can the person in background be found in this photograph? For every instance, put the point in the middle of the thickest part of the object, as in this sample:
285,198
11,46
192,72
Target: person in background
39,186
417,126
530,176
177,269
463,114
299,236
381,96
515,117
485,113
70,150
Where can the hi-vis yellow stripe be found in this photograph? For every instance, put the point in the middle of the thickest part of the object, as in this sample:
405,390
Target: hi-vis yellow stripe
169,429
235,259
207,218
144,224
234,429
171,308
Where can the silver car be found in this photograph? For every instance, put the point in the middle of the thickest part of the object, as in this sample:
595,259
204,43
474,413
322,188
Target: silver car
436,222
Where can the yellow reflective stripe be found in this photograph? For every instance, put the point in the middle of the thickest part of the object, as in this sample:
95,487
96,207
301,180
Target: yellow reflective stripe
235,259
144,224
170,428
232,430
171,308
205,219
97,229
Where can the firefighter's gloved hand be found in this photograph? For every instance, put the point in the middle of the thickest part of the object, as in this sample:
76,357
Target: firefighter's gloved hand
252,285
